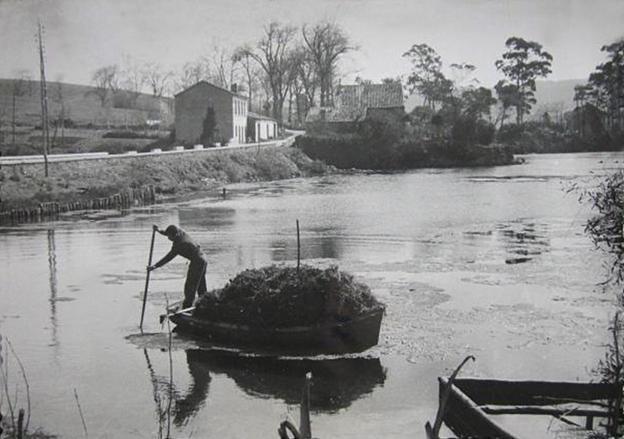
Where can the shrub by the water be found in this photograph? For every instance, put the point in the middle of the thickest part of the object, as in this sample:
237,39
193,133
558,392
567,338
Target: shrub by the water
279,296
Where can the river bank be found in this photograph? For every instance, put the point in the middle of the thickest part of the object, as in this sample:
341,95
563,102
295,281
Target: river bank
347,151
121,182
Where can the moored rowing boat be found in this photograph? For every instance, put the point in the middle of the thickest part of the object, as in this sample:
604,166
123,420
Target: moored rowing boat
473,403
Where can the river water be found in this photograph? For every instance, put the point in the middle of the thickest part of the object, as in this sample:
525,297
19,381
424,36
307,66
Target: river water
491,262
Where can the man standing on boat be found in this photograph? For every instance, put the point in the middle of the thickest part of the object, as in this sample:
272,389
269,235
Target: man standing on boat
184,246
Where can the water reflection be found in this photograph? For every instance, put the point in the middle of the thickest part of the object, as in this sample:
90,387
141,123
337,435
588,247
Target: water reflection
523,241
314,247
206,217
162,393
53,287
337,383
516,242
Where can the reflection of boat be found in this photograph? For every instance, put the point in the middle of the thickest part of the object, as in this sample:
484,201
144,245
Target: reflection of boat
470,404
337,382
336,337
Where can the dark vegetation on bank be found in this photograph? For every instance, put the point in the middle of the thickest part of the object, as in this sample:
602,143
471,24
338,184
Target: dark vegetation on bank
444,138
388,142
26,187
546,137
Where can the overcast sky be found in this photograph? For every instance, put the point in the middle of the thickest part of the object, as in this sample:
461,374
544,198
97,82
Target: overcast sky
82,35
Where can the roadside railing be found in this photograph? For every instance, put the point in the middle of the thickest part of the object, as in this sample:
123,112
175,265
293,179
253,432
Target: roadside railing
30,159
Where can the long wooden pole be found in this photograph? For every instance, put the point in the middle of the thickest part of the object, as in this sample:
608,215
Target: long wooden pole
147,277
298,248
44,102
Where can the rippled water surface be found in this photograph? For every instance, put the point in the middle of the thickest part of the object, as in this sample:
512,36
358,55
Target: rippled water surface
491,262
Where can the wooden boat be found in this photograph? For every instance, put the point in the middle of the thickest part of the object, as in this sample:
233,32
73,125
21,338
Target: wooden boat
469,405
333,337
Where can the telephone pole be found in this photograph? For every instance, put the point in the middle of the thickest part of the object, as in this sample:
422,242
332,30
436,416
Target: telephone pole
44,101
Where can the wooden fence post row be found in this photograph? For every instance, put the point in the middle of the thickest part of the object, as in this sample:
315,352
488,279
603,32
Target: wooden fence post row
48,210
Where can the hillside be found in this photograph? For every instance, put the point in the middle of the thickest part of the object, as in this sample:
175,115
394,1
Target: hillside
554,96
82,106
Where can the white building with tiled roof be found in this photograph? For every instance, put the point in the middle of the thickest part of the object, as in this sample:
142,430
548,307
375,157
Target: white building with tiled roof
260,127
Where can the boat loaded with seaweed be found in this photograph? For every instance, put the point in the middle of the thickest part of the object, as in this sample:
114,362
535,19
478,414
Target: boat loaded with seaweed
295,310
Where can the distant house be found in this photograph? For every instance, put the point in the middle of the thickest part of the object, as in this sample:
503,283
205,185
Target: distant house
260,127
354,103
230,109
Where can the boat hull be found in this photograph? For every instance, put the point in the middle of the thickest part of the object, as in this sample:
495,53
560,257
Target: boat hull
472,401
354,335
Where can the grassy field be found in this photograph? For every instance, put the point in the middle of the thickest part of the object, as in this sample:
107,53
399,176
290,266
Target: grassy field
87,120
29,141
80,104
24,186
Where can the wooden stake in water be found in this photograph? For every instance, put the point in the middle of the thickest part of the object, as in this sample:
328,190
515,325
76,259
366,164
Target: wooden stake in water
298,248
20,424
305,428
147,277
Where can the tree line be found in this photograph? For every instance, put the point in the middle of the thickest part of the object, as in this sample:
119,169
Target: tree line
286,65
457,100
604,89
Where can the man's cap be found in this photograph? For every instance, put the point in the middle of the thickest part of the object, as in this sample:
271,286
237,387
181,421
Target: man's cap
171,231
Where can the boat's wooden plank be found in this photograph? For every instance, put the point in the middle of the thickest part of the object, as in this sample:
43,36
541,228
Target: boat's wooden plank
505,392
444,396
542,410
466,419
474,400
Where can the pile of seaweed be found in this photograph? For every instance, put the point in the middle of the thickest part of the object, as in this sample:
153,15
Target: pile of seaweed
282,296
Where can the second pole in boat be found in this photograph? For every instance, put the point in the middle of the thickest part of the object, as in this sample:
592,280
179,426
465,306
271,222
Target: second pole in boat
147,276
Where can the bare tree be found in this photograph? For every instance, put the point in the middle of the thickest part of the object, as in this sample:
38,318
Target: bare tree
105,79
308,79
157,78
133,80
274,55
222,65
326,42
58,98
22,86
191,73
3,114
299,83
243,59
